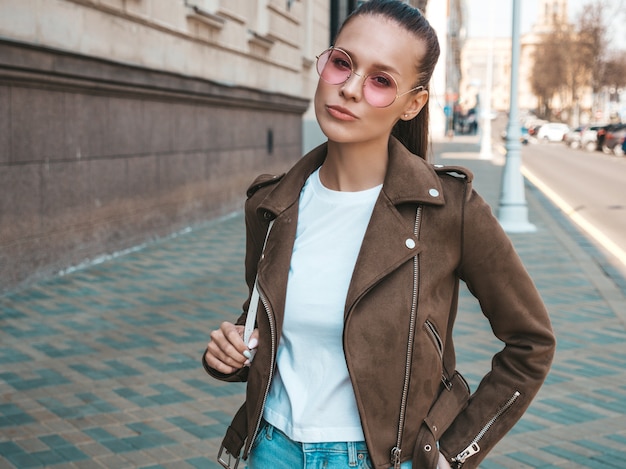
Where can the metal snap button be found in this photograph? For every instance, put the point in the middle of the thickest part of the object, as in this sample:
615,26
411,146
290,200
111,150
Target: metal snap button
427,448
433,192
409,243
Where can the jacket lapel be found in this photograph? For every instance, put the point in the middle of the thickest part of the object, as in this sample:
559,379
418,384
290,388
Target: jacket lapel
282,202
388,243
390,240
273,274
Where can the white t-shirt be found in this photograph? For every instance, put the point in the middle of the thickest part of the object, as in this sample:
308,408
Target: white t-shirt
311,397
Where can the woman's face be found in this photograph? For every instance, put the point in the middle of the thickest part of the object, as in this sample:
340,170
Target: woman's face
374,43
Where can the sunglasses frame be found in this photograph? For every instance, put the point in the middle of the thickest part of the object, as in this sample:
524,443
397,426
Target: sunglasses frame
353,72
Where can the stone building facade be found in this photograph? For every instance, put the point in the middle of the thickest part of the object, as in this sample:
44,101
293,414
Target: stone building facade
126,120
474,67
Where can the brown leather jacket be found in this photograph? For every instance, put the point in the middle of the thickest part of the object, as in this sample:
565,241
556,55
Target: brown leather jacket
428,230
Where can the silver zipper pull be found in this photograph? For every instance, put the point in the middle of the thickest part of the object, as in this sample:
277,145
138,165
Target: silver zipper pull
396,455
471,450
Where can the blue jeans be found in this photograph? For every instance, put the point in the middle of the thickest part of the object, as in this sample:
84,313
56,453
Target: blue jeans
273,449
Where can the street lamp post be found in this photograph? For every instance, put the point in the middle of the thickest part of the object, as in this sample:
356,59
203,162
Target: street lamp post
513,211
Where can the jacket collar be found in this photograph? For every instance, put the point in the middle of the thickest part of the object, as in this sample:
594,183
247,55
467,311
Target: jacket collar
409,179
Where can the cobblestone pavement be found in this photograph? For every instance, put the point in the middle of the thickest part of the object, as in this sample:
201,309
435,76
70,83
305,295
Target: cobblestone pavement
99,368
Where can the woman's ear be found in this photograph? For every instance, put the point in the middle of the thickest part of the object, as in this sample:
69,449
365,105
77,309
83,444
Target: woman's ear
415,105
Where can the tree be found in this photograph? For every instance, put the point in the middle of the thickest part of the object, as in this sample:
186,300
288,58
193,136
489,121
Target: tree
573,58
614,71
591,43
550,70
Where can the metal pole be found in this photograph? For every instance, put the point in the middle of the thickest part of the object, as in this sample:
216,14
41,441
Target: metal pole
512,211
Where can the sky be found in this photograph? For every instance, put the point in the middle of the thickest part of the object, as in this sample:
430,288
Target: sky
479,17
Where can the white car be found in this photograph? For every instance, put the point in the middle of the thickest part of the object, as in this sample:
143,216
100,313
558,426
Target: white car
552,132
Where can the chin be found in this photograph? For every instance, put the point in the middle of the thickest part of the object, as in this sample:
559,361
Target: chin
335,130
338,135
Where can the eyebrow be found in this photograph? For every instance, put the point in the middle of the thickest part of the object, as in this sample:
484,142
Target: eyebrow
375,66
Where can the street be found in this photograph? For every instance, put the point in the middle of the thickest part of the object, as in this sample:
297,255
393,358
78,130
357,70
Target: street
589,187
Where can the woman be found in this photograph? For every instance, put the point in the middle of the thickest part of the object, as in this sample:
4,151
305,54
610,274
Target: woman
359,281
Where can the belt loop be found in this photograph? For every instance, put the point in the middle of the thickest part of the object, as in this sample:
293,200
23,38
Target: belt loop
352,454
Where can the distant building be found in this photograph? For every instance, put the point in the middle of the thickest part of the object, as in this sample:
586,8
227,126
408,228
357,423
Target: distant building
474,72
551,14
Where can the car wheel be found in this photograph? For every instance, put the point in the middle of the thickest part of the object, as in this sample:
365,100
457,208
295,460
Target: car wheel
618,150
590,146
606,150
575,145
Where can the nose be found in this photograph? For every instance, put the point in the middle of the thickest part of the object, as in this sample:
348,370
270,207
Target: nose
352,88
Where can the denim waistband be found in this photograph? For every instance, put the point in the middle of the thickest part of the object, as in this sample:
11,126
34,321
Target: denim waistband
351,448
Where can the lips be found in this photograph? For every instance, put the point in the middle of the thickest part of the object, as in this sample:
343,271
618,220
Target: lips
340,113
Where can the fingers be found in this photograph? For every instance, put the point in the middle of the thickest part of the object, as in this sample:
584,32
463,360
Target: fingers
254,339
224,352
252,345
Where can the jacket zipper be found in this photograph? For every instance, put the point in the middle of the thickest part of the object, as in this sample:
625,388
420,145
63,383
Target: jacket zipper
269,381
432,330
473,447
396,452
436,337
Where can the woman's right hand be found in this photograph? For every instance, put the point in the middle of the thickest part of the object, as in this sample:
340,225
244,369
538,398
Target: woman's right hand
226,352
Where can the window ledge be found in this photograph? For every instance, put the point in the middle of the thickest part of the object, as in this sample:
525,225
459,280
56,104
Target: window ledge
266,42
206,17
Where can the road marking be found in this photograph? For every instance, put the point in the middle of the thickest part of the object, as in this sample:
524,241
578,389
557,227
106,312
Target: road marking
576,217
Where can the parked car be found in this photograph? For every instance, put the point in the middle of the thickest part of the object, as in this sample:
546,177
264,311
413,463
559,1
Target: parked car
600,136
552,132
572,138
613,138
589,137
620,148
533,126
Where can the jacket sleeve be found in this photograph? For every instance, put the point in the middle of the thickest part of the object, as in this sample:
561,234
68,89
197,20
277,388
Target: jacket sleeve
256,228
495,275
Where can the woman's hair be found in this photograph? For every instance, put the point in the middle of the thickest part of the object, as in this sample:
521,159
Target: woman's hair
414,133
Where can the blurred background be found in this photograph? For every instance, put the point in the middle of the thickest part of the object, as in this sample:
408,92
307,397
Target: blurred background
122,121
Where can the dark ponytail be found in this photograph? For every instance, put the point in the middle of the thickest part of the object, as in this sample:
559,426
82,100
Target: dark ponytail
414,134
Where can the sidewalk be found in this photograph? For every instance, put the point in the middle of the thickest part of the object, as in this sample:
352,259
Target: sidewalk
100,368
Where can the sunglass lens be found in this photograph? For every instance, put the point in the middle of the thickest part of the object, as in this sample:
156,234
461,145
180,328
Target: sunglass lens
334,66
379,89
